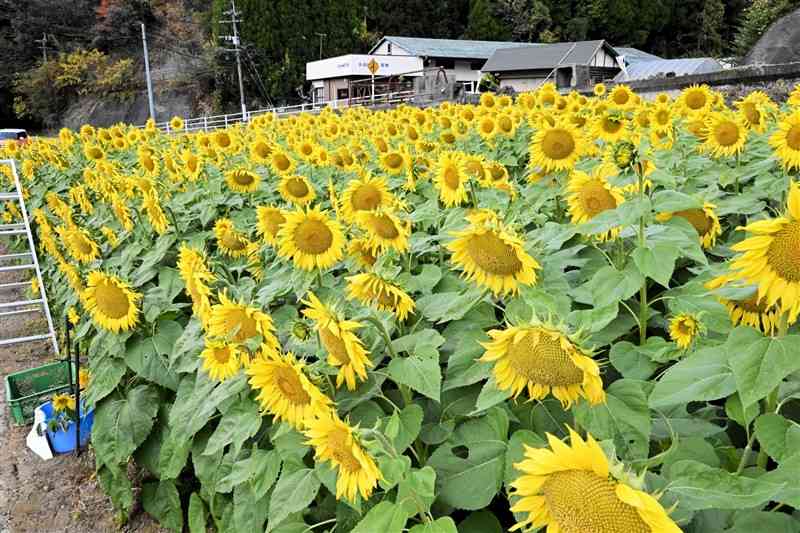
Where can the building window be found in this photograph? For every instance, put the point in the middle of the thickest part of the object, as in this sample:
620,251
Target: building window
389,48
446,63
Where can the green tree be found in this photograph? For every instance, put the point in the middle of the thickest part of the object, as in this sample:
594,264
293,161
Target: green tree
484,22
711,20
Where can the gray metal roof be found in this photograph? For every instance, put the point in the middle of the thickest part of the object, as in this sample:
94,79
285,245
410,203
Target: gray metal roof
642,70
450,48
545,56
633,55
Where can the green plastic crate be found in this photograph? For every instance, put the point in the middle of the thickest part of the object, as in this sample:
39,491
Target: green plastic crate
28,389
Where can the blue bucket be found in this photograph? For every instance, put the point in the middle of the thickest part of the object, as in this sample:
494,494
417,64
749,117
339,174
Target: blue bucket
64,441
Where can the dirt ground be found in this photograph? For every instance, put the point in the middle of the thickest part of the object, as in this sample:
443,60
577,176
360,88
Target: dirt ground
56,496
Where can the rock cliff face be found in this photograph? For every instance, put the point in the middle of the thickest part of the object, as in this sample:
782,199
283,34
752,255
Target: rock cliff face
104,112
169,71
780,44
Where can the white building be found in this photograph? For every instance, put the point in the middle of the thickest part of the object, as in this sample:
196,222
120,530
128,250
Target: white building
348,76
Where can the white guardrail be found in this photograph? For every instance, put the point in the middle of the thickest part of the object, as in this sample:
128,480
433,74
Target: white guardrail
206,123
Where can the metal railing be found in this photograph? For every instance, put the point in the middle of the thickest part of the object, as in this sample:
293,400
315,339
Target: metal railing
212,122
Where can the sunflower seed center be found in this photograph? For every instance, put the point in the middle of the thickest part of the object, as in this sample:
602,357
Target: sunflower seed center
581,501
783,255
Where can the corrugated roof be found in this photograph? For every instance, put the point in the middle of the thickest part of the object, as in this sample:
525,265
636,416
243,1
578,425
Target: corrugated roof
451,48
642,70
634,54
544,56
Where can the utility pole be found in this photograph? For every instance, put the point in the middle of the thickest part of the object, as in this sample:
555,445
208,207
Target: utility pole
43,43
235,40
321,37
147,76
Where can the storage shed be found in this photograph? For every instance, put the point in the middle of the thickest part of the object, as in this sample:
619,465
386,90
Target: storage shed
568,65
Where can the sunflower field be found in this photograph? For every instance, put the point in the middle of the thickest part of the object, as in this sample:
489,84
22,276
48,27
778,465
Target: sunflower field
559,312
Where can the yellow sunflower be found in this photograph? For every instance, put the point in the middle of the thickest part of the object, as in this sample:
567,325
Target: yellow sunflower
63,402
80,245
362,252
622,96
451,179
311,239
590,195
393,162
599,89
231,242
284,391
385,230
705,221
542,359
242,180
221,360
281,163
610,127
696,99
270,219
556,147
73,316
239,322
297,190
725,135
493,257
366,193
683,329
196,276
754,313
756,110
771,258
176,123
661,118
345,349
260,150
111,302
335,441
84,378
571,489
786,141
371,289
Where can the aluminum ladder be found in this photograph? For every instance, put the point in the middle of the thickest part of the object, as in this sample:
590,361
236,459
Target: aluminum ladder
31,263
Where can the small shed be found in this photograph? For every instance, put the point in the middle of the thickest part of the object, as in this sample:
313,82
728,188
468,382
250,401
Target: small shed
569,65
667,68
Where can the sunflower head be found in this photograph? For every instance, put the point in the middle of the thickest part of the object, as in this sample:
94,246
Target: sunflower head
572,489
270,219
771,258
684,328
238,323
590,195
242,180
230,241
493,256
111,302
786,141
366,193
543,359
705,221
451,178
371,289
725,134
284,390
221,360
311,239
345,350
297,190
335,441
63,403
556,147
385,230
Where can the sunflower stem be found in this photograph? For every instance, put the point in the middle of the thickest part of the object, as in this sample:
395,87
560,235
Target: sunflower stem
387,339
473,195
643,309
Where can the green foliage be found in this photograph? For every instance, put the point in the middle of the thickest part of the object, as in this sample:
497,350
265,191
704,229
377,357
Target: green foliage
756,19
42,93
